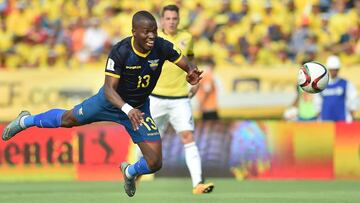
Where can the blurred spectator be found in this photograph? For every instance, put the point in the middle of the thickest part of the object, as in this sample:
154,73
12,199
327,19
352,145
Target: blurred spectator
56,54
303,107
323,33
193,13
267,54
95,41
244,9
202,49
268,14
3,7
298,39
210,29
37,34
340,21
324,5
20,20
76,32
315,16
220,49
207,93
289,18
198,26
5,43
275,32
339,100
282,55
244,47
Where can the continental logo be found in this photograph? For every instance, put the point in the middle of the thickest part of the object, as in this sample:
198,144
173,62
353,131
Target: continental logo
48,150
133,67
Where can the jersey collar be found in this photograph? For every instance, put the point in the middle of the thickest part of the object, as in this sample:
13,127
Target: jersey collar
168,35
136,51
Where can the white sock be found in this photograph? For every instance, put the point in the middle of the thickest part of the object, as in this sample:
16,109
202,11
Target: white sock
22,124
127,173
193,162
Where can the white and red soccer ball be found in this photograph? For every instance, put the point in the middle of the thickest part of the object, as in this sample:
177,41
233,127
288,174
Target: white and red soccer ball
313,77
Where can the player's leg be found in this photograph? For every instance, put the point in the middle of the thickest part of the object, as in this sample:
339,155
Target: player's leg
149,142
49,119
193,162
158,109
55,118
148,164
182,121
160,112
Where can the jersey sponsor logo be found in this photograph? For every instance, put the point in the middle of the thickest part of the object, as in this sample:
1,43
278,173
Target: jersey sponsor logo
153,134
110,65
153,63
338,91
133,67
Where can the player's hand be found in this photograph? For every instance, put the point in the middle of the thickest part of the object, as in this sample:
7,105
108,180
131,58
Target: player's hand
193,77
136,117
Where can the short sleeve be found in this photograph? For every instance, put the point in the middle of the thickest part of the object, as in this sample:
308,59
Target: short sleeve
172,53
114,63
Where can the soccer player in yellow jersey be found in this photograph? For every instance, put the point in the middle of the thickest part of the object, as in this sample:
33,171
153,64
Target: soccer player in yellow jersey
170,100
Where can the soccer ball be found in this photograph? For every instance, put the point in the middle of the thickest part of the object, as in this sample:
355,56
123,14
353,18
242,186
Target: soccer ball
313,77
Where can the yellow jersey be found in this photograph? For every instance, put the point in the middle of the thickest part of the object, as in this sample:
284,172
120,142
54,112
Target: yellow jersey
172,81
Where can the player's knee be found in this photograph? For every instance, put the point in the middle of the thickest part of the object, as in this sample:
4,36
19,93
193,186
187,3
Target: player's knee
68,120
187,137
155,165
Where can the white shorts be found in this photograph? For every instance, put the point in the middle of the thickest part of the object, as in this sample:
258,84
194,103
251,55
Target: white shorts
177,112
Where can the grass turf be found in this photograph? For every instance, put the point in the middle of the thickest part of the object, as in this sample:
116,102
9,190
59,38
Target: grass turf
173,190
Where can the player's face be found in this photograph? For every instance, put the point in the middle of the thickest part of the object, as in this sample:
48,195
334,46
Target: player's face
334,73
170,21
144,35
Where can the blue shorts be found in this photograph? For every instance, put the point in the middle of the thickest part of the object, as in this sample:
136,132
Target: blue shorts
98,108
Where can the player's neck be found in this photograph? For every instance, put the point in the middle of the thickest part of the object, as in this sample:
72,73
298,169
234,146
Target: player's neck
170,33
138,50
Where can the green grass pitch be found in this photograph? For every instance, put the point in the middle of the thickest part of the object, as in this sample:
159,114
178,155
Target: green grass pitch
173,190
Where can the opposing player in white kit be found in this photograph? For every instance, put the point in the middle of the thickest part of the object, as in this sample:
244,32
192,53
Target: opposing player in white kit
170,100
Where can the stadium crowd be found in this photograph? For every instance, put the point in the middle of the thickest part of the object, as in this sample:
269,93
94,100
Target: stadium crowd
79,33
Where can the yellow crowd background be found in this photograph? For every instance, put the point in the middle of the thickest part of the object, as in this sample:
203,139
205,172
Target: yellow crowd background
235,33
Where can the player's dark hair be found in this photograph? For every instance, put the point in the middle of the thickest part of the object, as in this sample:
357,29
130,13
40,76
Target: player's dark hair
170,7
142,15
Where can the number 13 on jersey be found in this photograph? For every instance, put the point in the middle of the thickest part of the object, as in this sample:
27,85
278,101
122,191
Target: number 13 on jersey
149,124
143,81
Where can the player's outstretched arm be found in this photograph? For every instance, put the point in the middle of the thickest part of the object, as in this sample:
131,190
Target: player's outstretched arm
193,73
135,115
